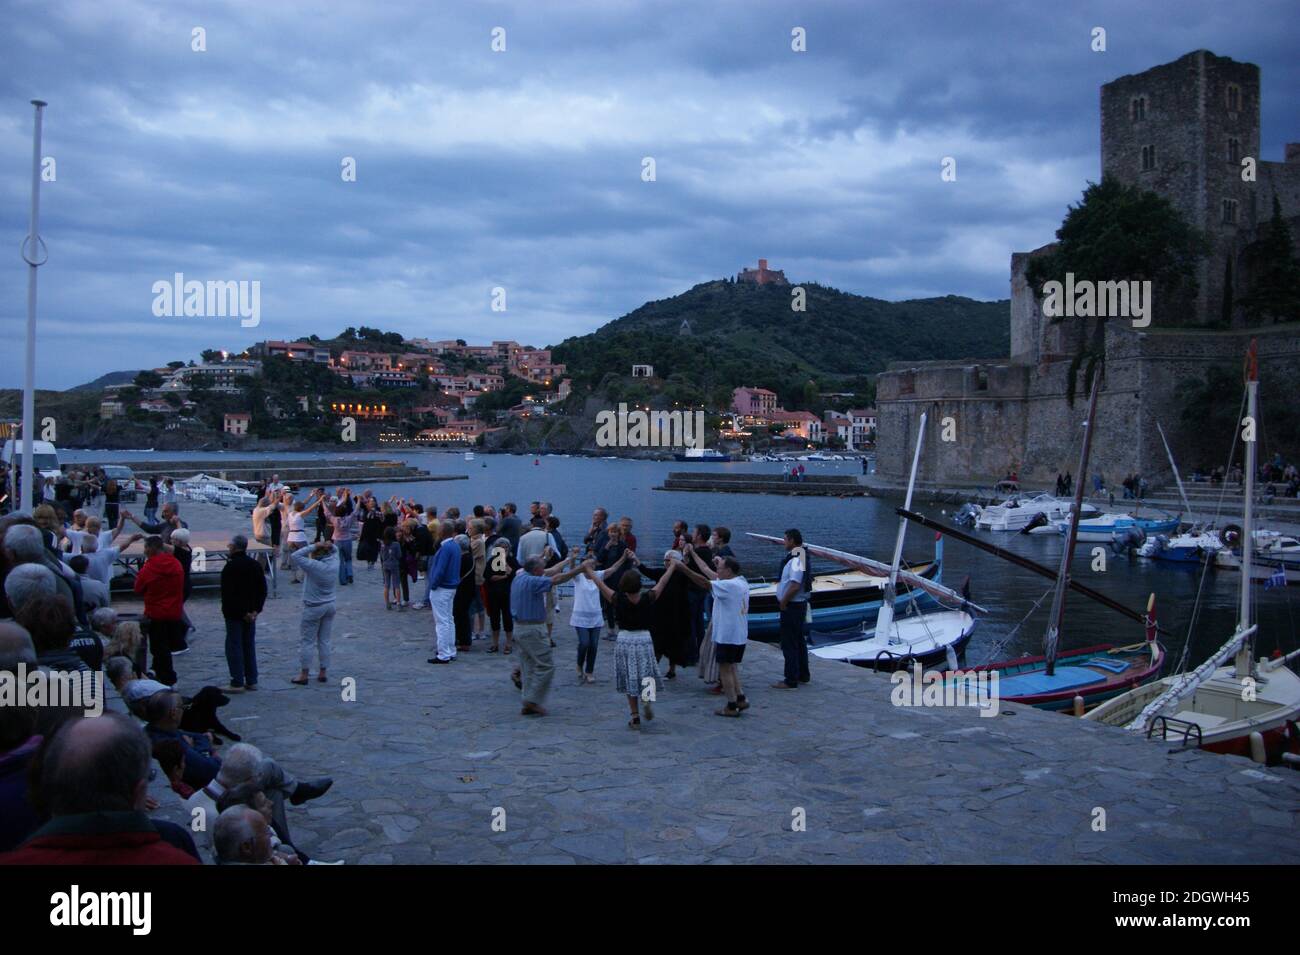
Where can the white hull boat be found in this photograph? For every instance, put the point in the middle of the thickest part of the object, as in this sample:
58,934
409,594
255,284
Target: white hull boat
1016,513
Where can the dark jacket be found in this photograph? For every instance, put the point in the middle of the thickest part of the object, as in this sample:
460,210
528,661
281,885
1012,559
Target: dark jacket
243,587
97,838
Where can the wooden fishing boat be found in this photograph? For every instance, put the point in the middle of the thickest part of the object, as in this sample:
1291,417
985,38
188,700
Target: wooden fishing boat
1249,708
1069,680
917,634
840,600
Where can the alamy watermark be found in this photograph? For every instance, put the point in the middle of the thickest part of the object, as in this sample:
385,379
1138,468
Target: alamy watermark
73,689
649,429
195,299
954,688
1088,299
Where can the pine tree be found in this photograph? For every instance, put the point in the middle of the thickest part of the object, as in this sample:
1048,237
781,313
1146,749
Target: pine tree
1275,286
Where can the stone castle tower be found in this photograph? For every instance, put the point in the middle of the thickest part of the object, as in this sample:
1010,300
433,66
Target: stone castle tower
1180,130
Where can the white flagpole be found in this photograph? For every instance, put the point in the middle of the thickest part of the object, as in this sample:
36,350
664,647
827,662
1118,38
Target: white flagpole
31,255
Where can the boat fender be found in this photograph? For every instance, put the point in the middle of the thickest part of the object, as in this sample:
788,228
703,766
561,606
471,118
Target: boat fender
1257,751
1078,705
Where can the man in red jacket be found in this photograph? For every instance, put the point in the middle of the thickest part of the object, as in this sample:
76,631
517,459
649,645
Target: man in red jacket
161,582
95,779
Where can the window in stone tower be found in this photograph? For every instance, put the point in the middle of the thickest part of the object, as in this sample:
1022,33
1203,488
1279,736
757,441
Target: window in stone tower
1148,158
1233,97
1234,149
1139,108
1229,211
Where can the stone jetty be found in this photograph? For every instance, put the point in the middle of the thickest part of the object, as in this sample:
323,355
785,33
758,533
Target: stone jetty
306,472
428,757
718,482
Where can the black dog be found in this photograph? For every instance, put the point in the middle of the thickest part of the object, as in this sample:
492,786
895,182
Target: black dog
201,713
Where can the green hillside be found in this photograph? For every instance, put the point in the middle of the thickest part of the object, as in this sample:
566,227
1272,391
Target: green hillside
744,334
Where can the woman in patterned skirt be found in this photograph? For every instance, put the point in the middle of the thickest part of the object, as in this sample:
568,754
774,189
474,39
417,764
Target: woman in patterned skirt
634,650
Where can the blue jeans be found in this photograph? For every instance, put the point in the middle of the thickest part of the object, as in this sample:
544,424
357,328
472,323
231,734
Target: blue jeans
151,514
241,651
345,561
588,640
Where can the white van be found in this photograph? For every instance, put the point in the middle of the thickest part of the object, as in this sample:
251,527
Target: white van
46,457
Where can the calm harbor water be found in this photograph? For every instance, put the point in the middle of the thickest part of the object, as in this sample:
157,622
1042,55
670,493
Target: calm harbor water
866,526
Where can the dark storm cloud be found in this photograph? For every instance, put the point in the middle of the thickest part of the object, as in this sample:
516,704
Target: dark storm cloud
522,169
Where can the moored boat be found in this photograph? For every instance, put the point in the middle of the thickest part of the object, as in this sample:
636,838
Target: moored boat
1248,708
1107,527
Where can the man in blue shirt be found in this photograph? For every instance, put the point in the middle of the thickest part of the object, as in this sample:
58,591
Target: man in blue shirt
528,605
444,578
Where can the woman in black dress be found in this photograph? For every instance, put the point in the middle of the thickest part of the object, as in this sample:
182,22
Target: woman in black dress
671,621
372,528
636,671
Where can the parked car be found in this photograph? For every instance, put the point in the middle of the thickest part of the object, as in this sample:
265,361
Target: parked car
125,478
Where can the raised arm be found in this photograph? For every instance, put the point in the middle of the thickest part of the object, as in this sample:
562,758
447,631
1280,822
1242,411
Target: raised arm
698,579
668,573
701,565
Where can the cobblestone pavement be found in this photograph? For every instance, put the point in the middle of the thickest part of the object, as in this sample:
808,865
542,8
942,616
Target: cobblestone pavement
427,757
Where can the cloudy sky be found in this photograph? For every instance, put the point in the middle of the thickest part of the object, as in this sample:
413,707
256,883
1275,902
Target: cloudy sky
522,169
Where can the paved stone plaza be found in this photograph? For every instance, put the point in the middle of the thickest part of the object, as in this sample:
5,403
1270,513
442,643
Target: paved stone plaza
426,755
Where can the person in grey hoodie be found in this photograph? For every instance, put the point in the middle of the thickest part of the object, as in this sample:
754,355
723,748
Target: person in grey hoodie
320,566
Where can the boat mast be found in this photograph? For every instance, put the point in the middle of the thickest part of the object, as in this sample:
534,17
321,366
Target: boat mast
1053,635
1178,479
885,619
1243,663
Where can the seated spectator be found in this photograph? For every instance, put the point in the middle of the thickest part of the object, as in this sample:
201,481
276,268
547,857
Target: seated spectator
164,711
24,544
18,743
245,765
118,672
93,592
250,795
126,639
48,618
170,755
94,779
241,836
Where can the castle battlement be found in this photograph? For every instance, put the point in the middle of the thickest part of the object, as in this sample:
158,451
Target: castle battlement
1180,130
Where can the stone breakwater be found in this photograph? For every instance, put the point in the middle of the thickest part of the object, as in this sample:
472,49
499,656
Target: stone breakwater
426,759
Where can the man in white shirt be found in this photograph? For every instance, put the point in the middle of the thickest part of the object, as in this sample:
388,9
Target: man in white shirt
94,592
531,544
102,559
730,619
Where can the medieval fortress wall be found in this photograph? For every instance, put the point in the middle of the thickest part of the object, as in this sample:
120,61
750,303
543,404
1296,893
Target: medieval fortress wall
1180,130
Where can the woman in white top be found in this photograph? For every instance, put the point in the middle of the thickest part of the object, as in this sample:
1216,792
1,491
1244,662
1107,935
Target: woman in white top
295,519
588,616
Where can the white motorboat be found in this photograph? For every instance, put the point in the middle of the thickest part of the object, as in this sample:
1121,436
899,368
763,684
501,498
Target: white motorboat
1015,513
1275,557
